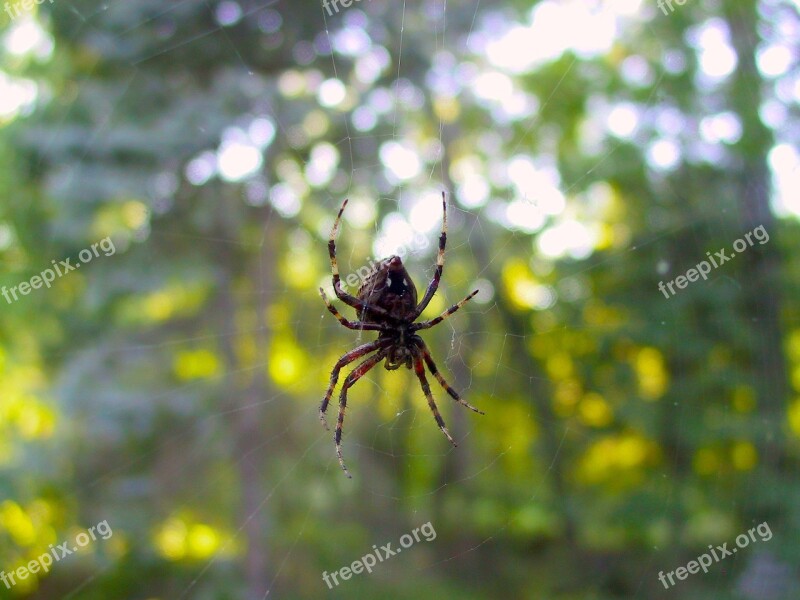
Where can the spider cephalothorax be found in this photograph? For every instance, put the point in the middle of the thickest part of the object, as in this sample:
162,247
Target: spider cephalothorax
387,303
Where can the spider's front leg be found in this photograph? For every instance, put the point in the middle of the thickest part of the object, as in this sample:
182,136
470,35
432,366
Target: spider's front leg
360,325
437,275
354,376
428,324
348,299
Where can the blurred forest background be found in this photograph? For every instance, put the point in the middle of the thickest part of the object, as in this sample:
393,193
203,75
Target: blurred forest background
589,148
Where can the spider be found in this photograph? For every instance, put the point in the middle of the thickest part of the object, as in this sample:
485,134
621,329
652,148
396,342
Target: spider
387,303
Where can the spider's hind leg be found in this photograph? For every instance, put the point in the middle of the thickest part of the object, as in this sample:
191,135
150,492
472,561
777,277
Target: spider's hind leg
345,360
419,369
354,376
442,381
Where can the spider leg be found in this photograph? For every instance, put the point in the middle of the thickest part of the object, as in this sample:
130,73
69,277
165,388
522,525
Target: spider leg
423,349
434,284
443,316
354,376
419,369
359,305
345,360
350,324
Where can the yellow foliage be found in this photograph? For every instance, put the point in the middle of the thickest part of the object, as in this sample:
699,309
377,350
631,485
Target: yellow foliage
616,455
179,538
793,346
134,214
119,218
297,270
519,284
21,410
707,461
794,417
741,455
566,395
32,418
606,238
559,365
434,309
651,373
595,411
286,361
598,315
18,523
744,399
744,456
32,532
35,420
173,300
170,539
196,364
202,541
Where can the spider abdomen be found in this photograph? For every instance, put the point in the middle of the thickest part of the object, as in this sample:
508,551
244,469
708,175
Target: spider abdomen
389,287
